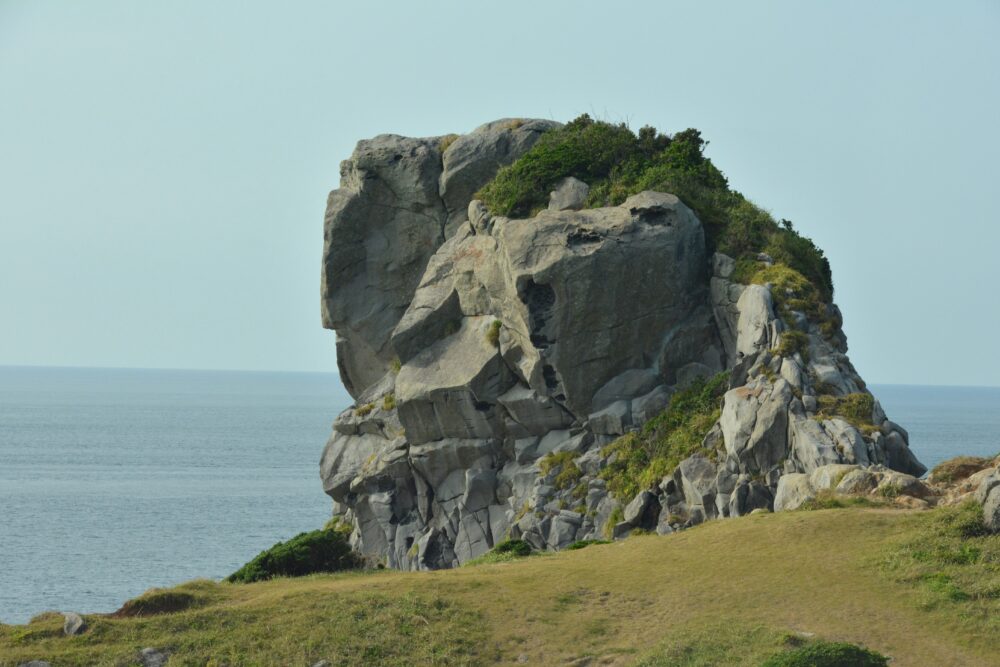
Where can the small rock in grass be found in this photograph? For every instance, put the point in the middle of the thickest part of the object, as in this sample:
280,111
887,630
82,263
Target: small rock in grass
151,657
74,624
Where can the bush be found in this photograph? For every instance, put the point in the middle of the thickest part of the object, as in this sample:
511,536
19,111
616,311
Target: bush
583,544
503,552
828,654
516,547
324,550
643,458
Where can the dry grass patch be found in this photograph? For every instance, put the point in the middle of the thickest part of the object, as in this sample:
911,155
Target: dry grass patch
727,592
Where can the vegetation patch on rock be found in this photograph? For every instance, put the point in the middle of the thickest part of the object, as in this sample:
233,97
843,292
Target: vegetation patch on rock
958,468
855,408
641,459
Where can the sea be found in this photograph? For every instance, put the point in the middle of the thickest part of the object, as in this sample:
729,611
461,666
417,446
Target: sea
114,481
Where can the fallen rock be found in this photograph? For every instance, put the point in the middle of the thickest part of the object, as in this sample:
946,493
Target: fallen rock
794,490
857,483
643,511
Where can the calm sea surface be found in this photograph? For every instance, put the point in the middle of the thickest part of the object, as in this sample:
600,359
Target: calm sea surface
114,481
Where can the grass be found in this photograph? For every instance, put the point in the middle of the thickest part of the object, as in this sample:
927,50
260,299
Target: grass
616,162
828,499
363,410
791,291
167,601
389,402
853,408
958,468
446,141
493,333
643,458
726,593
954,566
793,341
569,473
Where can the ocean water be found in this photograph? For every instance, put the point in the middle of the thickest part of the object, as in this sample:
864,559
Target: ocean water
115,481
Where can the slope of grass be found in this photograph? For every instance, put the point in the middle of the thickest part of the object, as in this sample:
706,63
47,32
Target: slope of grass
733,592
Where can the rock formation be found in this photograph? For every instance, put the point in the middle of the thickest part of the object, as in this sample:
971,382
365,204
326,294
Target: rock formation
493,360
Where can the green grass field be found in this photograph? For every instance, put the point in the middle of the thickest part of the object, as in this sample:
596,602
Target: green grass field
920,587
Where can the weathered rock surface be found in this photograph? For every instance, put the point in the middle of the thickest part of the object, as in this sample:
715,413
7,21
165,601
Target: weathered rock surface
494,359
151,657
73,624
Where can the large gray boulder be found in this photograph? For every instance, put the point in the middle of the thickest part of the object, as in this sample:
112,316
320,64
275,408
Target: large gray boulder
991,510
399,199
495,362
472,160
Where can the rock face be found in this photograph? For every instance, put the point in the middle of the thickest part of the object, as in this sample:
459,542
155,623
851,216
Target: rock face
493,359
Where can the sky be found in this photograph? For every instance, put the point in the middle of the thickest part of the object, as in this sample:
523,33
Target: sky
164,166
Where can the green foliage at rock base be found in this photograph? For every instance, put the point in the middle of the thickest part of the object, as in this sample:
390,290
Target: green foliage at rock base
641,459
317,551
616,163
583,544
827,654
503,552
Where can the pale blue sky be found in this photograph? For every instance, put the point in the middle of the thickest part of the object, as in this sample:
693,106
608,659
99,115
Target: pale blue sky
164,167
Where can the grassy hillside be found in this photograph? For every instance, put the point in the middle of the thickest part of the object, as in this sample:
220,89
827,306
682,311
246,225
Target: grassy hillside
920,587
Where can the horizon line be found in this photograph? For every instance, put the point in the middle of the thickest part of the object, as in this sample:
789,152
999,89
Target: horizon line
164,368
335,373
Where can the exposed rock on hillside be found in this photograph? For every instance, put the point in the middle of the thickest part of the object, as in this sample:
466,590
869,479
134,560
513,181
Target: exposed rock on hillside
494,360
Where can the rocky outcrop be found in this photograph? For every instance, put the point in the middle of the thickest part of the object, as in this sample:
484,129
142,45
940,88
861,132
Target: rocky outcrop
494,359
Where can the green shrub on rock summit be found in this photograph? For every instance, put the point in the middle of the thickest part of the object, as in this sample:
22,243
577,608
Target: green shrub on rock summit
616,162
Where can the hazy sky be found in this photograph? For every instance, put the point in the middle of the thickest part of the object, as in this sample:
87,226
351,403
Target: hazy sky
164,167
